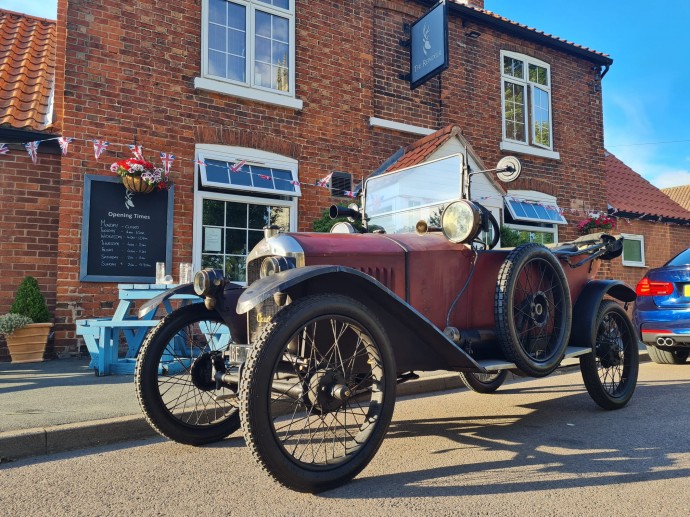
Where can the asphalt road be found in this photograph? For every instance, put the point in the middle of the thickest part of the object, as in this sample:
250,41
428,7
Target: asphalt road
537,447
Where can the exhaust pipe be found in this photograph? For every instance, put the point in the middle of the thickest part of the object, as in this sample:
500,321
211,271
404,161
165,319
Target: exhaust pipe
665,341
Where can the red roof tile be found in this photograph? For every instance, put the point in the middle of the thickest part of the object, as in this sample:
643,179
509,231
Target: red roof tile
680,195
27,70
417,152
627,191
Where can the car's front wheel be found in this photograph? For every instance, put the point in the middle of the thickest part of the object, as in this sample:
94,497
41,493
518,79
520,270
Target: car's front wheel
317,392
673,356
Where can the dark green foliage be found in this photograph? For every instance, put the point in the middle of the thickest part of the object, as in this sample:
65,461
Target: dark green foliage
29,301
510,238
325,223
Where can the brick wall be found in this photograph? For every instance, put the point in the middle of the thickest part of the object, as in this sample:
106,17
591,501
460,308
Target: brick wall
28,226
129,75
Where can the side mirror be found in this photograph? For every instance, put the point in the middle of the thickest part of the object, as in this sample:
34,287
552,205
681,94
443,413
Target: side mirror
508,169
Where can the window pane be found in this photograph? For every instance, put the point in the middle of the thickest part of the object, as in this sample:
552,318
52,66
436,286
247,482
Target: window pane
283,4
538,74
282,180
259,216
281,29
237,18
280,216
216,63
280,54
513,67
213,212
632,250
217,37
262,75
540,115
262,178
279,78
263,50
237,42
263,24
514,105
236,269
254,237
236,69
236,242
218,12
236,215
212,261
216,171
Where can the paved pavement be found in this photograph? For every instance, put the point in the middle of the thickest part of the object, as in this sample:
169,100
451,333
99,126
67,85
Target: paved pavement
61,405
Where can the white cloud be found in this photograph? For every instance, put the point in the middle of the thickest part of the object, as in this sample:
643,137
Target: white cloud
670,178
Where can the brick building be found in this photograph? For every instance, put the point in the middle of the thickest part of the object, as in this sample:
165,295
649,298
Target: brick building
297,90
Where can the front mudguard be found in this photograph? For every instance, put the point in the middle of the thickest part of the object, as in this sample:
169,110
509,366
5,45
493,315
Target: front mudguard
416,342
584,331
225,305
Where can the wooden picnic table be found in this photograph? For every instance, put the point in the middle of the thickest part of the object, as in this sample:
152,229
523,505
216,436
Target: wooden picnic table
102,335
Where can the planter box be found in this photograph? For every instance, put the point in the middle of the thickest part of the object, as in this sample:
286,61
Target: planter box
28,344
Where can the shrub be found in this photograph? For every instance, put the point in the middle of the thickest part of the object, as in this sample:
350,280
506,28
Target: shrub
29,302
11,322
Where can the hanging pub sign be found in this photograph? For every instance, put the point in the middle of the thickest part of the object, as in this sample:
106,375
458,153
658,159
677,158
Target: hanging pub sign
124,234
429,45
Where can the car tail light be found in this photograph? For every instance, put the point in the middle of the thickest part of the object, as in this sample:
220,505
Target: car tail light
645,287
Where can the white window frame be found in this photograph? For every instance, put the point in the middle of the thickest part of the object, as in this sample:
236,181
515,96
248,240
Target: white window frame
229,153
529,145
247,90
535,197
634,263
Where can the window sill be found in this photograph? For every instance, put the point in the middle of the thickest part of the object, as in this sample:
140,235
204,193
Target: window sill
633,264
527,149
211,85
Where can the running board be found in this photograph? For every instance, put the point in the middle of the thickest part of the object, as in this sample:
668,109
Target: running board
492,365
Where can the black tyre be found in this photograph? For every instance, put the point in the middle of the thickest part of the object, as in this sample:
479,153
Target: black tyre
484,382
610,373
317,392
174,377
667,356
532,310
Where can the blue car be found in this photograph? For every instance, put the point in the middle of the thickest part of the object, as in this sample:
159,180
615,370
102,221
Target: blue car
662,310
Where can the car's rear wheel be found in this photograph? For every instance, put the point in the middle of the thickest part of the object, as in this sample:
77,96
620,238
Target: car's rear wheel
674,356
532,309
610,372
484,382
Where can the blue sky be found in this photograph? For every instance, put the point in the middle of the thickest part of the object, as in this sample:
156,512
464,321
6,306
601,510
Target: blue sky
646,108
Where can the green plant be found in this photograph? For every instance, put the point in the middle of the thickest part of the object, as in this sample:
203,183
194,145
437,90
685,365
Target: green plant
325,223
11,322
29,302
510,238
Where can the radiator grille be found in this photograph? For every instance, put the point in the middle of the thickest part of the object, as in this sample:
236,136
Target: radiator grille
262,314
382,274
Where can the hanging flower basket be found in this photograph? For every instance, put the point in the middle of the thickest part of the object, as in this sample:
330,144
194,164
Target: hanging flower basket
596,223
140,176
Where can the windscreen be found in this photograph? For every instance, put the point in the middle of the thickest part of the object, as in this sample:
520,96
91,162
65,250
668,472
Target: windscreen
682,259
397,200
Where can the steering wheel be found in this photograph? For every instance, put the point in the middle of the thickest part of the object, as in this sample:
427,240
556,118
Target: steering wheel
494,225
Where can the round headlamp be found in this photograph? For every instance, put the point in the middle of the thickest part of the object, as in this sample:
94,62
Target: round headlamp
272,265
207,281
461,221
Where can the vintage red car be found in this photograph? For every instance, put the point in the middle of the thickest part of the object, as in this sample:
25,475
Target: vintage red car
306,357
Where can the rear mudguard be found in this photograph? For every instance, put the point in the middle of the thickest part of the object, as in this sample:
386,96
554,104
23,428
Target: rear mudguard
583,333
416,342
225,305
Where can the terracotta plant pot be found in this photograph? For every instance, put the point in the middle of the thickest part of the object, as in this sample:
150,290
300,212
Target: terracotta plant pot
28,344
136,184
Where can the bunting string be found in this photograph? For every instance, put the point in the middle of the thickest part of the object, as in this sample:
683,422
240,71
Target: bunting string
244,167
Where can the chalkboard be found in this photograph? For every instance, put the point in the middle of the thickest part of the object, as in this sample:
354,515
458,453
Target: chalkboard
124,234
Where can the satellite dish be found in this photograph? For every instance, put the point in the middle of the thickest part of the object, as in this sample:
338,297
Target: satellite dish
509,169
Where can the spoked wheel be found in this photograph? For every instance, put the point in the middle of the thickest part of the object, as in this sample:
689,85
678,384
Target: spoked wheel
610,373
174,377
317,392
532,309
484,382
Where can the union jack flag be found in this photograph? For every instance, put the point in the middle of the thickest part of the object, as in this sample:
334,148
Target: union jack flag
264,177
167,159
324,182
32,149
200,162
237,166
4,149
349,193
98,147
294,182
64,144
137,151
